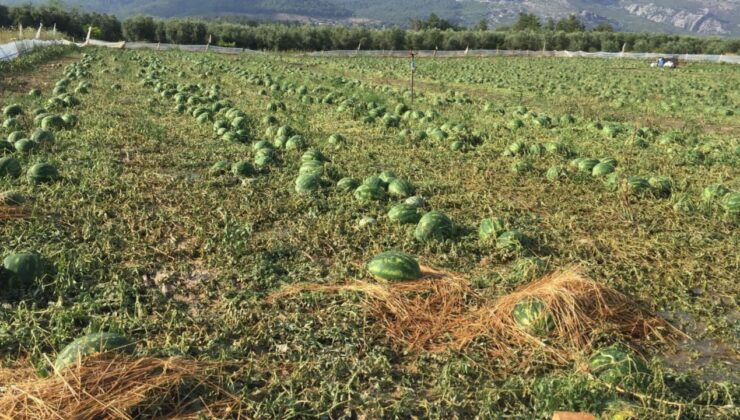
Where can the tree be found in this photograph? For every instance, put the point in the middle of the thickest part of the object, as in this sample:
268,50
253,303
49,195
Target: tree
549,25
140,28
603,27
527,22
482,25
570,24
4,16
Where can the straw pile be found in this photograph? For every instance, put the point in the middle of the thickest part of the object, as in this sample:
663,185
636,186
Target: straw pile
118,387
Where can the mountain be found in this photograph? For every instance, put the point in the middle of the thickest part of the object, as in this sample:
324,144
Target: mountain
706,17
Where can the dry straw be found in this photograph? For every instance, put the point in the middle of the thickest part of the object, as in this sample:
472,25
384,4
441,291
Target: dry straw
441,312
118,387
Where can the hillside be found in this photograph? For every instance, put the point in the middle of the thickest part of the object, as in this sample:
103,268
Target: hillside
710,17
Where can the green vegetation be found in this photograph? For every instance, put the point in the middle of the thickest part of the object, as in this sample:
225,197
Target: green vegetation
234,210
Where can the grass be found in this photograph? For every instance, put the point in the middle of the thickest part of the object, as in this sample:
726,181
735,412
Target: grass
147,243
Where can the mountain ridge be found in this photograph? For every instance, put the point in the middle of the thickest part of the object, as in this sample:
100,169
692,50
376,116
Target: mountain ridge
708,17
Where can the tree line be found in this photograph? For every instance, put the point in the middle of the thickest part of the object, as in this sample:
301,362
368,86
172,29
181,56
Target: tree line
72,22
280,37
527,33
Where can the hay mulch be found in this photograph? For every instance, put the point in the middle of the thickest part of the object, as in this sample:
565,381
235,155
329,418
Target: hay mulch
118,387
441,312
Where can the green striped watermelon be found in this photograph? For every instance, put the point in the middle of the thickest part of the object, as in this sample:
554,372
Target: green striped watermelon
311,167
373,181
533,317
243,169
602,169
25,145
637,185
555,172
89,345
10,167
619,366
731,204
587,165
42,172
404,214
394,266
512,240
710,193
367,193
23,268
387,177
220,168
12,198
13,110
661,185
434,226
347,184
416,201
307,183
400,188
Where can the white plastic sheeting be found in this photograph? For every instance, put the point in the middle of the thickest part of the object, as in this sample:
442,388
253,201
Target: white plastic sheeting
14,49
734,59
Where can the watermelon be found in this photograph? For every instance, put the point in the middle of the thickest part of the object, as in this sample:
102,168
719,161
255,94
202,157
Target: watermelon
262,144
554,173
404,214
619,366
295,143
434,226
220,168
313,155
637,185
661,185
90,345
367,192
25,145
516,148
311,167
511,240
347,184
336,140
602,169
710,193
11,124
490,228
400,188
285,131
6,147
416,201
394,266
731,204
307,183
42,136
23,269
16,135
373,181
13,110
387,177
242,169
609,160
12,198
587,165
532,316
9,167
521,166
52,122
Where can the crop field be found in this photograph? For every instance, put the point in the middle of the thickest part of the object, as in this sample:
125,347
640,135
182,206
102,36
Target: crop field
283,236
